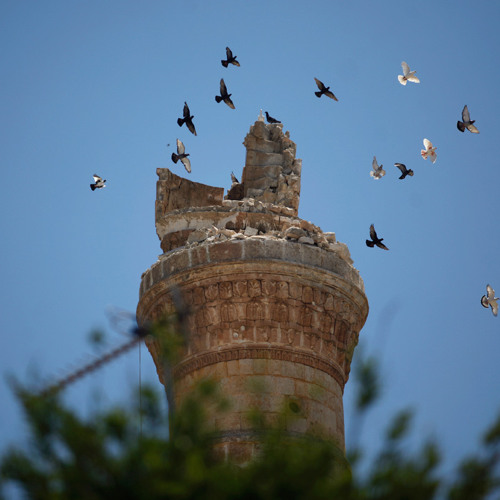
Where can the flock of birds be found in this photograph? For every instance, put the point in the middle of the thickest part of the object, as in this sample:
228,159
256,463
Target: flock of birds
377,172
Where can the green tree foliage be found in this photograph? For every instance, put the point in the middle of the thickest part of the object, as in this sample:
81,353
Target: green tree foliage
106,457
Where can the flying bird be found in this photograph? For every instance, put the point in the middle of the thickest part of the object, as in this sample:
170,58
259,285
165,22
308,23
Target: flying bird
490,300
224,96
375,240
407,76
182,155
377,172
270,119
187,119
230,59
324,90
98,183
467,123
429,151
234,180
404,171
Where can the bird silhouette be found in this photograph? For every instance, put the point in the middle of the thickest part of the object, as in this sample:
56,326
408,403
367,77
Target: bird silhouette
224,96
230,59
467,123
182,155
234,180
407,76
375,240
187,119
324,90
490,300
270,119
429,151
377,172
98,183
404,171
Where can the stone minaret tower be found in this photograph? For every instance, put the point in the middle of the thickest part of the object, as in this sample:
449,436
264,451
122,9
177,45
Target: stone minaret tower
274,301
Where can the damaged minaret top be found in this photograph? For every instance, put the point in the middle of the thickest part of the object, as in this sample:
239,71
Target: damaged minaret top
263,205
271,173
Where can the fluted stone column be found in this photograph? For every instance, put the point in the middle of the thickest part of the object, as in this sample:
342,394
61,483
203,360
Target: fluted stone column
275,302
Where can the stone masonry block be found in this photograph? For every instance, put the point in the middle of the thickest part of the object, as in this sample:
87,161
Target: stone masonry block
173,263
225,251
231,421
292,370
233,367
284,385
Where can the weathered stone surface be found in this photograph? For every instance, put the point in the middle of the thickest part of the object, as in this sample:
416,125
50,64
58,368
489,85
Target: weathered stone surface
174,192
294,233
251,231
330,237
271,173
198,235
307,240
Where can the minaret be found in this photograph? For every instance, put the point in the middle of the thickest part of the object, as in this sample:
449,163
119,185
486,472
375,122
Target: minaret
275,302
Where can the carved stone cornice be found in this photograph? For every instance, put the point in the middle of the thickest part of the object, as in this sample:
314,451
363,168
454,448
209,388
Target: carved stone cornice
258,351
257,305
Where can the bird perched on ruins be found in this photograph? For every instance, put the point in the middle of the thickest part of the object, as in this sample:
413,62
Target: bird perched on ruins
429,151
182,155
404,171
375,240
187,119
234,180
270,119
224,96
230,59
467,123
98,183
489,300
407,76
377,172
324,90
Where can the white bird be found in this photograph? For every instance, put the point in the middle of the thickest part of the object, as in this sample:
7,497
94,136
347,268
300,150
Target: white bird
407,76
490,300
429,151
182,155
377,171
98,183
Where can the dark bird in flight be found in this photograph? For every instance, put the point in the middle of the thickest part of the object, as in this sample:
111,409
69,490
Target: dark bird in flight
375,240
234,180
324,90
187,119
230,59
224,96
182,155
404,171
270,119
98,183
489,300
467,123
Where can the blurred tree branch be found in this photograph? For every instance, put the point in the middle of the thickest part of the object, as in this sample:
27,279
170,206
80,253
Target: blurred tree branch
67,457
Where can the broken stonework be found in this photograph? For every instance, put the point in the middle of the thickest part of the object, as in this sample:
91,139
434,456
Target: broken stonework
294,233
271,173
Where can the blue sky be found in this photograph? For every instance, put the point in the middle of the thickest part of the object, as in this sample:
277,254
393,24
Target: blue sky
97,87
